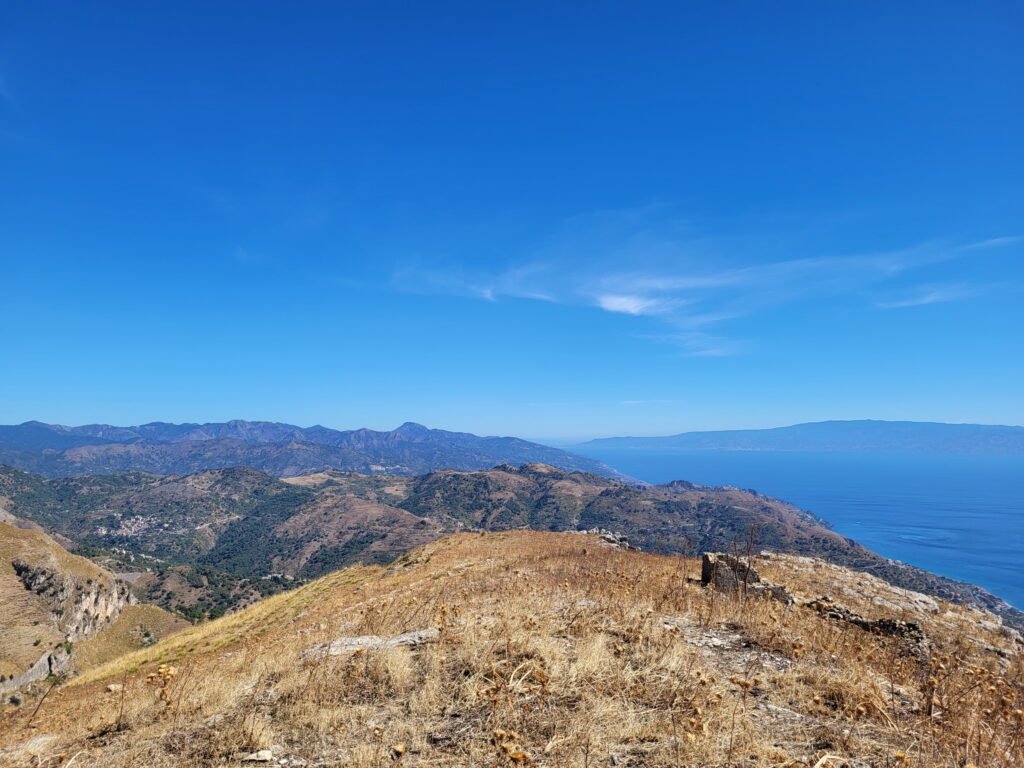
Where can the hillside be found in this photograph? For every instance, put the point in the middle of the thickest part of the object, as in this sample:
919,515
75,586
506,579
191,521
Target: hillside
215,540
277,449
548,650
865,435
53,602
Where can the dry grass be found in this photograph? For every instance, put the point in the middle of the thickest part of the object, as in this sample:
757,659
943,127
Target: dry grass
554,651
135,627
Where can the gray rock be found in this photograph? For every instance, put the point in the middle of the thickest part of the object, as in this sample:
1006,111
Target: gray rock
259,756
343,645
35,747
55,662
912,637
612,538
781,713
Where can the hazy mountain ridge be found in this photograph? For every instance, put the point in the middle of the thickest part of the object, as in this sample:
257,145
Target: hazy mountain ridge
220,538
275,448
860,435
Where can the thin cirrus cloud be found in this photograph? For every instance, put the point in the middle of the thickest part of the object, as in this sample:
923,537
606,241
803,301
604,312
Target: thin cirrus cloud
633,305
694,287
993,242
933,294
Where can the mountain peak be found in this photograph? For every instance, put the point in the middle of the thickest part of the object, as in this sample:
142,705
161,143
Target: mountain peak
412,428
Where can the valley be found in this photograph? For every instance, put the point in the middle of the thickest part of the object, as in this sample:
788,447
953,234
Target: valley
210,542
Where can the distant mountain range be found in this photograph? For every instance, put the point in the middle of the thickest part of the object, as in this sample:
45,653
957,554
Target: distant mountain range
865,435
277,449
218,539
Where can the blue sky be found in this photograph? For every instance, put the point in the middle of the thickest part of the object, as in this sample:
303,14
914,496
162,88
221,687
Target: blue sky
557,220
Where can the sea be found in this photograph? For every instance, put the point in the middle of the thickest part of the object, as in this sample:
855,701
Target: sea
958,515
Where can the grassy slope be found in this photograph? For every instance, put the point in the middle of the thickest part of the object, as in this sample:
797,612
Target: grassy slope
135,627
555,650
675,518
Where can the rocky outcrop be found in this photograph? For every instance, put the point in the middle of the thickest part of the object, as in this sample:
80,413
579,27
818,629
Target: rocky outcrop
80,604
612,538
55,662
727,573
371,643
81,609
913,639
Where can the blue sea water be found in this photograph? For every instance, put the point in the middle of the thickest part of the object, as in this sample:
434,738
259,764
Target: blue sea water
958,515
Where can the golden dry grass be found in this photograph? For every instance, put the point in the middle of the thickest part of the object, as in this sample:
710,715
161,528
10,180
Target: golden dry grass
132,629
555,650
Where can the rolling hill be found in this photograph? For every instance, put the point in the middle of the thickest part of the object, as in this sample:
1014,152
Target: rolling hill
212,541
541,649
277,449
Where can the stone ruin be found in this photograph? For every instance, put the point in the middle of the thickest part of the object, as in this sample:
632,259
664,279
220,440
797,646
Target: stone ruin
728,573
911,636
731,574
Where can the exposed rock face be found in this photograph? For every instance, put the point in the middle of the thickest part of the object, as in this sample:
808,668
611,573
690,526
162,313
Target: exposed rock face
55,662
727,573
50,599
81,610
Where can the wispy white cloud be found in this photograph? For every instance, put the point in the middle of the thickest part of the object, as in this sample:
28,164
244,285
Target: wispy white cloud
932,294
993,242
633,305
702,344
654,269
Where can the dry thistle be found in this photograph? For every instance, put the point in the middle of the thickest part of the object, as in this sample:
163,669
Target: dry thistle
162,680
507,747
